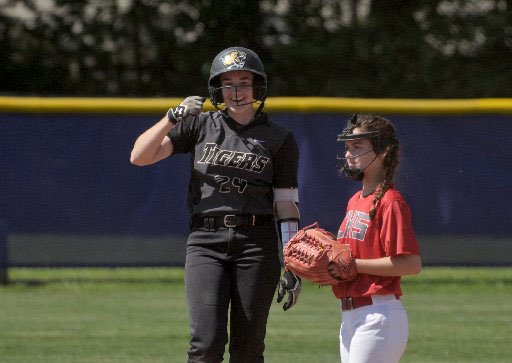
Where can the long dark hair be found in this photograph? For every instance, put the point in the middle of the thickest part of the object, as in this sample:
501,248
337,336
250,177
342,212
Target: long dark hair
386,142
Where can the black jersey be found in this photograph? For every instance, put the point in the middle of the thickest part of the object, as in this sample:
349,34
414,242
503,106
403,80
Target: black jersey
235,168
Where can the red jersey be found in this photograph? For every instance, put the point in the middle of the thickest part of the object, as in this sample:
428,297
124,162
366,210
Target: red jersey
390,233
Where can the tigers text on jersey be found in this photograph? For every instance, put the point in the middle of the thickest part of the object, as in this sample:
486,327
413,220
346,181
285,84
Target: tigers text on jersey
390,233
235,168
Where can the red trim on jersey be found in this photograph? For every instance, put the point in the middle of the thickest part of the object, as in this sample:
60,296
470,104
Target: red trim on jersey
390,233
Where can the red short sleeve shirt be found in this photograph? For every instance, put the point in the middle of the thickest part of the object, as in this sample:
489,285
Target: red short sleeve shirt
390,233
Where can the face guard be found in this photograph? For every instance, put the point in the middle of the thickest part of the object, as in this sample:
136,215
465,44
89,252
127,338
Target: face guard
348,135
216,94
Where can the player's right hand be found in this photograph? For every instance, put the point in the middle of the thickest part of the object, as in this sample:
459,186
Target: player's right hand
290,285
192,105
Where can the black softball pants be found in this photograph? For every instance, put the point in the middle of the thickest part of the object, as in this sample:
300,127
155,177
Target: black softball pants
230,266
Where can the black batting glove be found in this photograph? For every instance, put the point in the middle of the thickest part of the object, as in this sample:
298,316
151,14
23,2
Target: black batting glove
192,105
290,285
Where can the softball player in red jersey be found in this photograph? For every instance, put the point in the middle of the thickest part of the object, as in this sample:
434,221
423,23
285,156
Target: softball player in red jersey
378,228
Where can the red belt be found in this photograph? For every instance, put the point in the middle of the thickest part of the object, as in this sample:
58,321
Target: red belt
350,303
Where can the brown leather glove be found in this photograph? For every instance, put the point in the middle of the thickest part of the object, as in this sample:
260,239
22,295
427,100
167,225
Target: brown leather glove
313,251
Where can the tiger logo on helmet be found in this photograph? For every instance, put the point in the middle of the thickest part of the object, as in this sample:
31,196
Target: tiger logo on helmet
234,59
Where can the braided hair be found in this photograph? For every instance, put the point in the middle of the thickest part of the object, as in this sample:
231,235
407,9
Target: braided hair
386,142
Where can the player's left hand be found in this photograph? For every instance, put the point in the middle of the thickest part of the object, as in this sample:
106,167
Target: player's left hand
290,285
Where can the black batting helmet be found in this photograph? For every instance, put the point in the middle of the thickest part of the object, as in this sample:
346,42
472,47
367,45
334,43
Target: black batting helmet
237,59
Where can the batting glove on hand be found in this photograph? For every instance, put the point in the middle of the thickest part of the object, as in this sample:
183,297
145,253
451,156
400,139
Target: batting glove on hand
192,105
289,284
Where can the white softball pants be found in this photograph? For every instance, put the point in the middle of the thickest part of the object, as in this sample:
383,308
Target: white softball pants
375,333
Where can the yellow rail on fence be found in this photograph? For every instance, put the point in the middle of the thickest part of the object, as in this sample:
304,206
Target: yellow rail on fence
273,104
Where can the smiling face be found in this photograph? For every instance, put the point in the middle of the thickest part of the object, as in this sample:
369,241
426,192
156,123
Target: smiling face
237,91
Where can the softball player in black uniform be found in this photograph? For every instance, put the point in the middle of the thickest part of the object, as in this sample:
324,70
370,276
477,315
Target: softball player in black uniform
243,179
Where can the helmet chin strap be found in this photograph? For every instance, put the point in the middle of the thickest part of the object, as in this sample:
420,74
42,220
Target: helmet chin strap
238,102
356,174
256,113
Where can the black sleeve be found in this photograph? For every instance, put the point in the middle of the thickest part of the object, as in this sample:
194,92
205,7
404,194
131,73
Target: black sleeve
286,164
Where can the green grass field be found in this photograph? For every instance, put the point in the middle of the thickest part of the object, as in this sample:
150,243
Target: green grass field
140,315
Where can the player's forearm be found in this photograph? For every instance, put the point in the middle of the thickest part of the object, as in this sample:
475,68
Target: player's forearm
390,266
287,215
148,147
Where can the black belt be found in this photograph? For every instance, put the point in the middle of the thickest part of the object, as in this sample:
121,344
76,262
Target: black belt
231,220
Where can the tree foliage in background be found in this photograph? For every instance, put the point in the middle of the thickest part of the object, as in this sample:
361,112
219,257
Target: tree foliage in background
342,48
